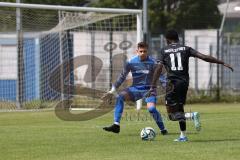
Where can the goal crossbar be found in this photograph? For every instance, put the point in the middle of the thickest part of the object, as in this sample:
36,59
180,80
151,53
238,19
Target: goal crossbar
69,8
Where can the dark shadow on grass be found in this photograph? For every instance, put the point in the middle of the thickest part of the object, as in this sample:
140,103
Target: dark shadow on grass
171,133
193,133
158,133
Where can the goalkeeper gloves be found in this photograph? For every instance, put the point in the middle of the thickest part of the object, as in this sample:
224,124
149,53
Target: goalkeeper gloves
109,95
113,91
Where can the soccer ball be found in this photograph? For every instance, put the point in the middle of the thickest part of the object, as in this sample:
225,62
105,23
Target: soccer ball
148,134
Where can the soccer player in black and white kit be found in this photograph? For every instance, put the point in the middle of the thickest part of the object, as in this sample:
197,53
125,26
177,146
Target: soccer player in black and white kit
175,58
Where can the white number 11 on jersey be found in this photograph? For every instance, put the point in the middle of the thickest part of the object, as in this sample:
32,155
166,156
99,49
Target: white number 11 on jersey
179,61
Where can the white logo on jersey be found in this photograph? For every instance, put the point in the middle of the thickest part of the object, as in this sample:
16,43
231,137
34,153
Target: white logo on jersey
143,71
175,50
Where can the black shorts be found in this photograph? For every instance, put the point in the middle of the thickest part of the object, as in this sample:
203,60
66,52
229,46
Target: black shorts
176,95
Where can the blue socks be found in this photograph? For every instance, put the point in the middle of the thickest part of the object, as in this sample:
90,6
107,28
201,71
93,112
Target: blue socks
157,117
118,109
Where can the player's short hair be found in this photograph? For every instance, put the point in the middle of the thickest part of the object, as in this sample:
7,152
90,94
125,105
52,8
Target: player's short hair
142,45
172,35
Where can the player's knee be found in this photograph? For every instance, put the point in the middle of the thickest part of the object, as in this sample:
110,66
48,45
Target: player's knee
178,116
150,104
152,109
171,117
120,97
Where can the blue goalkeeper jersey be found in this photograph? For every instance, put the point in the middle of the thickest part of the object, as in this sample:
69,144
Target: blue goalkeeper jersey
142,72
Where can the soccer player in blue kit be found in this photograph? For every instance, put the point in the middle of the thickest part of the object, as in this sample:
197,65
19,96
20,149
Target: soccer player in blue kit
142,68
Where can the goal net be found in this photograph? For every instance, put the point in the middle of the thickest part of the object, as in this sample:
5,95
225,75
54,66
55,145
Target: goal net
48,53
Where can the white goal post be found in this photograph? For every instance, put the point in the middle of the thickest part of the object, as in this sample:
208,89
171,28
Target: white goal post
41,37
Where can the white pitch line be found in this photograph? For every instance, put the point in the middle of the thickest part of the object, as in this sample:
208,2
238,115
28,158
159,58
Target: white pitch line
82,109
25,110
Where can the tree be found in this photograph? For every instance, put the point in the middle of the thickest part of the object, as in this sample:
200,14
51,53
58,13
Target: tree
179,14
130,4
163,14
197,14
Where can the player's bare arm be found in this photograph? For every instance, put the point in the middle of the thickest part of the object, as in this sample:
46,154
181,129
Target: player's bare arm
211,59
156,74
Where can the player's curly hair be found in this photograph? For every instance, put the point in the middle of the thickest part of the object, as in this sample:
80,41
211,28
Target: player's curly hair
142,45
172,35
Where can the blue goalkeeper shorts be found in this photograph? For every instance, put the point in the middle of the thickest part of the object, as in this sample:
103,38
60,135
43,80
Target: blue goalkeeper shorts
139,92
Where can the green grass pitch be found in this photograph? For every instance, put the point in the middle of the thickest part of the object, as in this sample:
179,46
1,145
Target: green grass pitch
42,136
